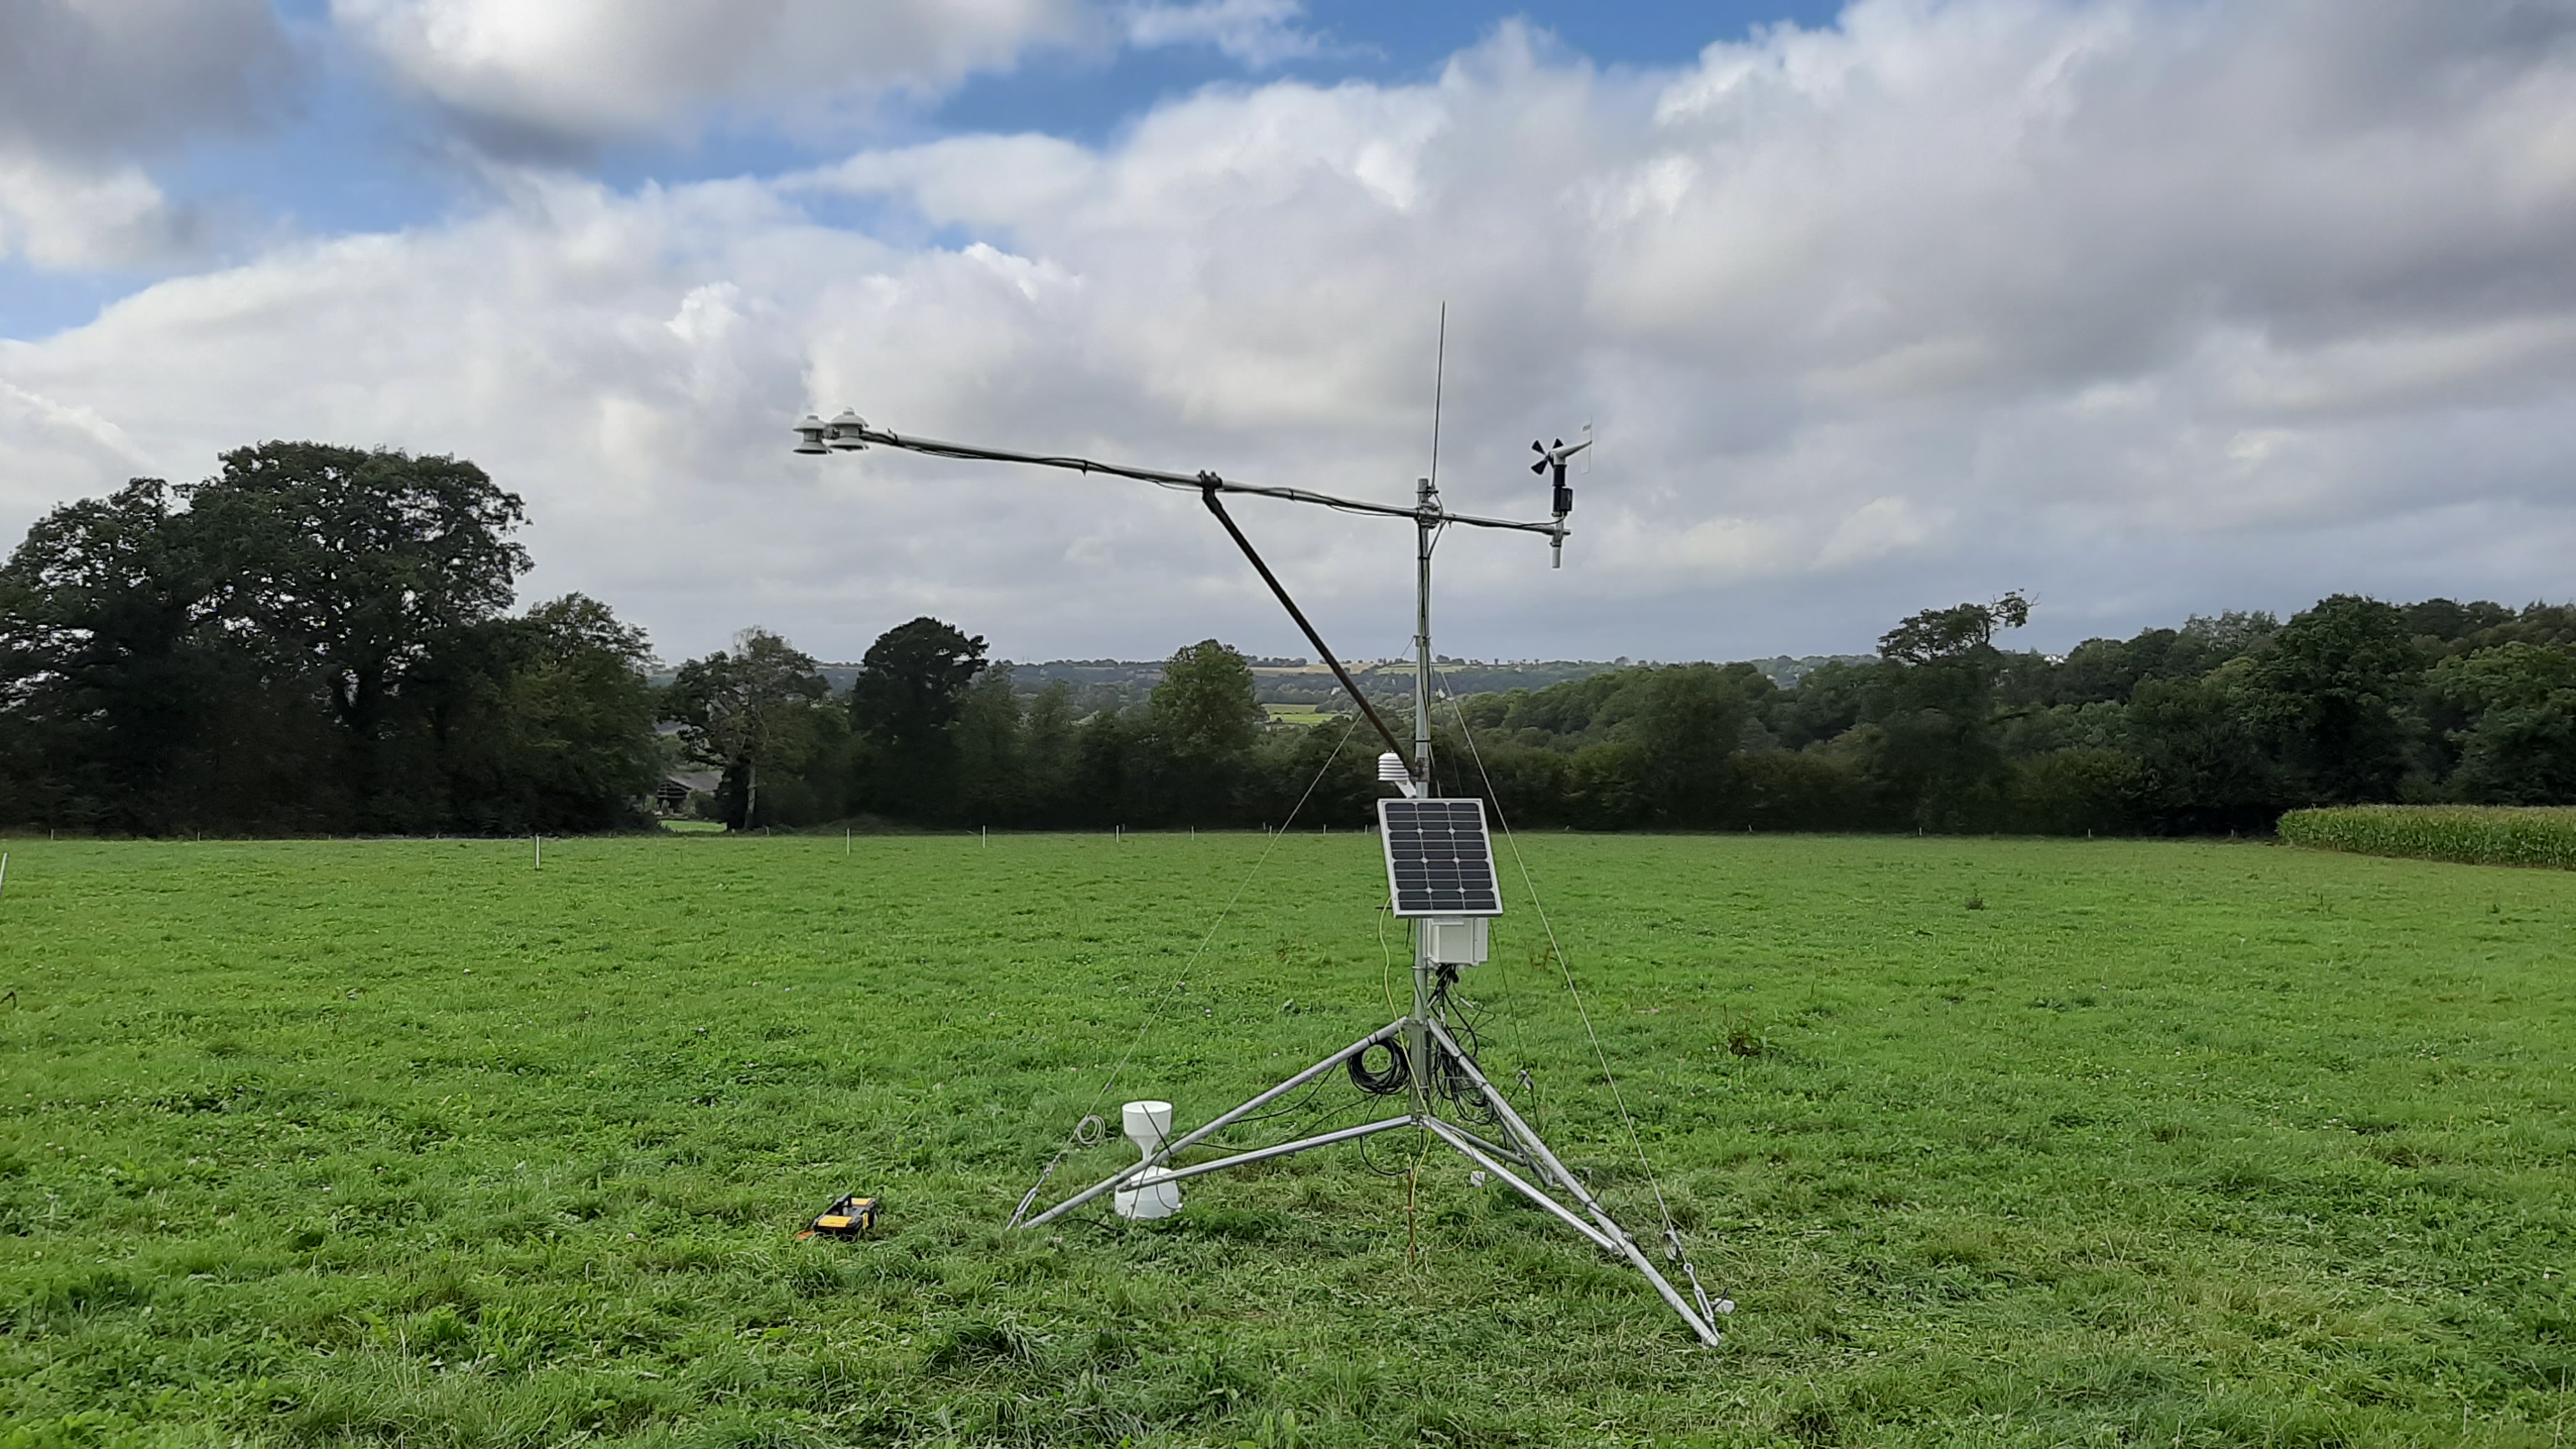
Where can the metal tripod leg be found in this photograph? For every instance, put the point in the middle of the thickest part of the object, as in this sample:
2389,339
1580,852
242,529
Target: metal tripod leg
1529,1140
1485,1160
1602,1231
1264,1154
1508,1154
1171,1149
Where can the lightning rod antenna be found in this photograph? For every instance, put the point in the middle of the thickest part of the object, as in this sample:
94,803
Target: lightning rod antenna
1439,379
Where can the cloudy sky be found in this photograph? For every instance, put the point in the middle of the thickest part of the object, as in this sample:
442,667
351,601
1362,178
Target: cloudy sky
2146,307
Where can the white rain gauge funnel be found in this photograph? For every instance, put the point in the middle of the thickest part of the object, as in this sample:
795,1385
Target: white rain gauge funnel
1154,1195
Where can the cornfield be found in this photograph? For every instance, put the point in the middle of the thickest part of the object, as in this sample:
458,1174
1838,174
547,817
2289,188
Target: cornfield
2467,834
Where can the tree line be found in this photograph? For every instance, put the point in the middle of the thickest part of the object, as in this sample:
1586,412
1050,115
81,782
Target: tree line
2214,727
319,639
316,639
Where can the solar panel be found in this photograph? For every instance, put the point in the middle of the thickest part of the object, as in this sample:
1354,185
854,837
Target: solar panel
1439,861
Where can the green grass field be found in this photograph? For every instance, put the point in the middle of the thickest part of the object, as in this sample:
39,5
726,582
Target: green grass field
2047,1143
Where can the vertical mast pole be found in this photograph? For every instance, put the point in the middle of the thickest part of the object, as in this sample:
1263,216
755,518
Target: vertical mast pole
1428,501
1426,512
1418,1040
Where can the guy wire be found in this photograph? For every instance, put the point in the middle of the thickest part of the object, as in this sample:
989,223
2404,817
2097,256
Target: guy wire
1147,1025
1205,941
1502,962
1636,1143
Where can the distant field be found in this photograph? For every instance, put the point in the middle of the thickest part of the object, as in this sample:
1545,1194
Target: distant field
2464,834
2048,1143
1304,714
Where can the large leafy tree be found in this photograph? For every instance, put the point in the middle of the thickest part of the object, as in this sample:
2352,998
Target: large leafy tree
1195,749
2333,693
548,723
311,639
992,748
911,680
1938,738
1051,748
746,709
1952,635
1689,726
351,568
1205,708
2521,747
904,704
107,669
2206,765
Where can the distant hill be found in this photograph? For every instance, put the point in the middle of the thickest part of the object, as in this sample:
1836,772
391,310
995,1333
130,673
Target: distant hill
1103,683
1785,671
1114,683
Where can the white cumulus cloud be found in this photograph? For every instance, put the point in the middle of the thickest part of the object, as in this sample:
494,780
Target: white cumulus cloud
583,71
63,217
90,90
2146,308
1258,33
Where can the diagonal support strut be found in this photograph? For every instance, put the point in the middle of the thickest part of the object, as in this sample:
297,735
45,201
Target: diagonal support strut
1592,1222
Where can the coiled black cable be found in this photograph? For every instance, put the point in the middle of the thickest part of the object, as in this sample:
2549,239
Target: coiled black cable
1395,1078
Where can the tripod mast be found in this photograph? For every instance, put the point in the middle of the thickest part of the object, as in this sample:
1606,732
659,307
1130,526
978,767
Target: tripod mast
1434,1061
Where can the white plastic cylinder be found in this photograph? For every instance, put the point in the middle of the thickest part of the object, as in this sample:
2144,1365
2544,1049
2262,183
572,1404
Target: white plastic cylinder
1152,1194
1148,1124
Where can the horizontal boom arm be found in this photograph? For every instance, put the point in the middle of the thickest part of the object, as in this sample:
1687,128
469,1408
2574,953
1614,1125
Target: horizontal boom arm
861,434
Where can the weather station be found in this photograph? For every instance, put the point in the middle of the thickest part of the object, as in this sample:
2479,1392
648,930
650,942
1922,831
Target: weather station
1442,878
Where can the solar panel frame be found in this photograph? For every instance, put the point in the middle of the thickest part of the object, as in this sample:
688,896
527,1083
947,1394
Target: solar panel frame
1439,857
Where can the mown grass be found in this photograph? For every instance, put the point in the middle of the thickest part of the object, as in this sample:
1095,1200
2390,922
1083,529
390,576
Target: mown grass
405,1143
2464,834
